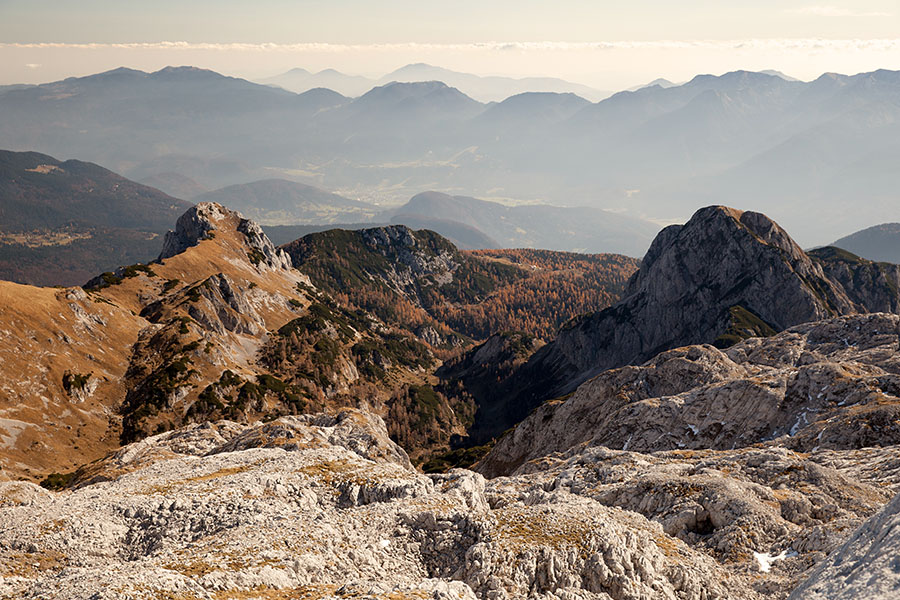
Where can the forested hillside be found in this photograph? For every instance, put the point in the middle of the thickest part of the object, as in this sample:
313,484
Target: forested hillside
420,282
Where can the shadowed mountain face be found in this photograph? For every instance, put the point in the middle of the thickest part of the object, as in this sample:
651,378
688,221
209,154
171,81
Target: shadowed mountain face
63,222
723,276
881,242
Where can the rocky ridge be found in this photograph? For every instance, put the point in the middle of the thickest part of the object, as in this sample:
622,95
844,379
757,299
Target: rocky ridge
220,326
723,276
397,274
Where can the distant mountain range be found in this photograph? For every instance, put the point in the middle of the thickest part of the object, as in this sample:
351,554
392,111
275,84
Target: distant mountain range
798,151
61,223
481,88
881,242
64,222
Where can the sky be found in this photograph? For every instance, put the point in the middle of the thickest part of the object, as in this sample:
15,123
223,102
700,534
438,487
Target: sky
608,45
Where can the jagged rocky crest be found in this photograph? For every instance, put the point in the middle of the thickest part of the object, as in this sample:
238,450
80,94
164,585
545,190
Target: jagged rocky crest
201,220
722,276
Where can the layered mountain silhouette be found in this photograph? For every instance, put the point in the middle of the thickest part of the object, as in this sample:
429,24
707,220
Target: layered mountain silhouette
796,150
581,229
300,80
484,89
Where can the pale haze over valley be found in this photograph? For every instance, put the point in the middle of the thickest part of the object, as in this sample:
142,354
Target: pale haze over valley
770,143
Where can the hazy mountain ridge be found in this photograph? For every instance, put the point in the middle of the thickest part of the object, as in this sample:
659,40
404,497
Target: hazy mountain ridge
482,88
880,242
471,223
581,229
65,221
755,138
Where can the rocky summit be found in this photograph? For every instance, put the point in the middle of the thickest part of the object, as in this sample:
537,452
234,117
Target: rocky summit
723,276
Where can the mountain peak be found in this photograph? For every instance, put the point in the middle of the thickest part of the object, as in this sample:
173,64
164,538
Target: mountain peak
713,225
193,227
202,221
721,254
187,72
723,276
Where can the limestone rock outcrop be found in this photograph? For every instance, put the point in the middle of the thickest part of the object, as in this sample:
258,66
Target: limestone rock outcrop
191,227
866,566
724,273
327,506
200,222
304,506
829,384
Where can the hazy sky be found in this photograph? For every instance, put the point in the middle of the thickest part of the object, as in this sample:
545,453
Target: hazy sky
609,45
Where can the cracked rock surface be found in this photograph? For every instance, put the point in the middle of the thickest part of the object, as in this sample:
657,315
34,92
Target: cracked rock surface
328,507
830,384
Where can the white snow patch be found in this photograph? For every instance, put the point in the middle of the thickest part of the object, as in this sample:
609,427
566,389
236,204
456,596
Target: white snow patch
766,560
801,421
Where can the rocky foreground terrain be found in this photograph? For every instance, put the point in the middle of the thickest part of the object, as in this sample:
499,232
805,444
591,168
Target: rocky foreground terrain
828,384
720,475
320,506
214,454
